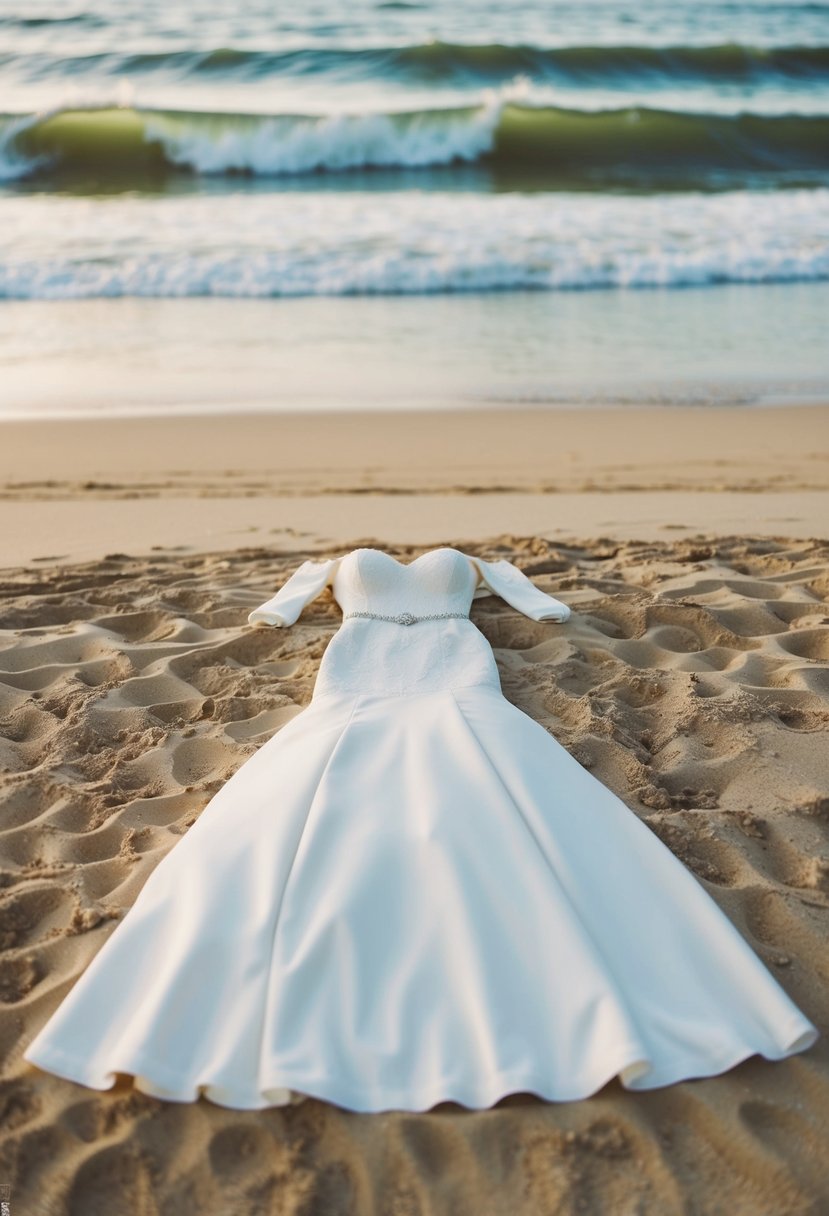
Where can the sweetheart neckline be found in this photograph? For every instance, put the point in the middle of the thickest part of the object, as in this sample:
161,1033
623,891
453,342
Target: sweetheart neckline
408,565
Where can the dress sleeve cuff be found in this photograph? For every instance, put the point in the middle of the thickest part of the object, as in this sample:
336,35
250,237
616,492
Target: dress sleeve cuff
304,585
265,617
513,586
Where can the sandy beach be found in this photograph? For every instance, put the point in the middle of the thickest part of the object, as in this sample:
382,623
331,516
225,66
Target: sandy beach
692,679
221,481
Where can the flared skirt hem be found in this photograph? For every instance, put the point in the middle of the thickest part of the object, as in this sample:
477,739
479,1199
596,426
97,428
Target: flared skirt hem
631,1065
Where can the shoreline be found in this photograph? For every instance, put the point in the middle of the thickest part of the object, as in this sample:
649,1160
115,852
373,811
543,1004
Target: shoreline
746,345
416,407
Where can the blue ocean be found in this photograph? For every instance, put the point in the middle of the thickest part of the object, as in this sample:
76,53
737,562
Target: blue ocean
516,201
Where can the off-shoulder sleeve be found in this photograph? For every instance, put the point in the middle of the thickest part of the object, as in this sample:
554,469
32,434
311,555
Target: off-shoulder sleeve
304,585
502,578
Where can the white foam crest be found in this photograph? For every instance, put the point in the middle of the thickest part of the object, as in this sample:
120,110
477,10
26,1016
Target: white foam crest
286,144
250,245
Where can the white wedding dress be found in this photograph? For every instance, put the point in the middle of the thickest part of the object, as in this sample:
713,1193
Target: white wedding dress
413,894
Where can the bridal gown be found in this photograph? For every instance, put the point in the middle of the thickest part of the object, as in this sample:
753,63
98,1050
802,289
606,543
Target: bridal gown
412,894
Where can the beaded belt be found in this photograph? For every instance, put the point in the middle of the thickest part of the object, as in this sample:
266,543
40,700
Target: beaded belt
406,618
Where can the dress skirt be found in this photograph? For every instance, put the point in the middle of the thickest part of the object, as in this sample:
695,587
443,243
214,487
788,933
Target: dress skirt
404,900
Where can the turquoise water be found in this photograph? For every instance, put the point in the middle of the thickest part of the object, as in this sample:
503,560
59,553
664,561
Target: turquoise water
402,148
743,345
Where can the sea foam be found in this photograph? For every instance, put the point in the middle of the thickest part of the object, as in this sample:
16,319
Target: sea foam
326,243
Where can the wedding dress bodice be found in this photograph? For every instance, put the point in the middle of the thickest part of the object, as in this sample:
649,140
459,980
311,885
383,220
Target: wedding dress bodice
441,648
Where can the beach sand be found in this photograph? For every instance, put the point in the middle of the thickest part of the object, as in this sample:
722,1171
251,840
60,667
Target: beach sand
75,489
692,679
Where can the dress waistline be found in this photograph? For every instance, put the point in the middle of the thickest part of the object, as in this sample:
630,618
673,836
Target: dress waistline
408,618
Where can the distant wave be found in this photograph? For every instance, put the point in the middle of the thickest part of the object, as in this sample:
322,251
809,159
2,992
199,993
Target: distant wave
448,63
336,244
601,64
90,20
634,146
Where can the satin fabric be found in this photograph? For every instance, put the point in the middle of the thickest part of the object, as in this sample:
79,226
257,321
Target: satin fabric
412,893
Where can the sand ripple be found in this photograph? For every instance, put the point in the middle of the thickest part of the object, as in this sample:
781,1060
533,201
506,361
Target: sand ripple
693,679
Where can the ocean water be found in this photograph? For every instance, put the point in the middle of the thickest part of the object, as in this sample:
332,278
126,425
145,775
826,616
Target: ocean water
387,149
